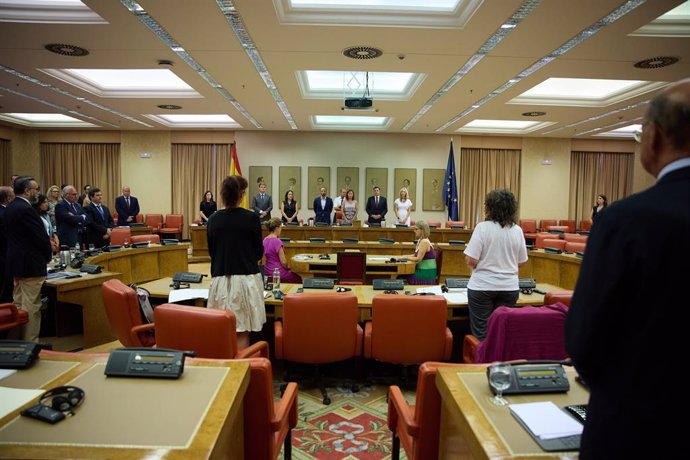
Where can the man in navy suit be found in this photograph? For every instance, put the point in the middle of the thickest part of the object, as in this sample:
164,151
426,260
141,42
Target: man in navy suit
377,207
6,281
70,218
127,207
262,203
627,326
100,220
323,206
28,252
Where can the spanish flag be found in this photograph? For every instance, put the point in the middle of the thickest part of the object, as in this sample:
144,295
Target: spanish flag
235,170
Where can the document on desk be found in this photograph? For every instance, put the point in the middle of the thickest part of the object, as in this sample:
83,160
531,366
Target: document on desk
178,295
7,372
546,420
302,257
13,398
452,296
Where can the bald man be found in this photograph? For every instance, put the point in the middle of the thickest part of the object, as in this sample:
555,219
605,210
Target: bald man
627,327
127,207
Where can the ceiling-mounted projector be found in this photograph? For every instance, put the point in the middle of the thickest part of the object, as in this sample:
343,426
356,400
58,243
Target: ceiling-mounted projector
358,102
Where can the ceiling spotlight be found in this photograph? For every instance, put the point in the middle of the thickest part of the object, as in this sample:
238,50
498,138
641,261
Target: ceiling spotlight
169,107
66,50
362,52
657,62
533,114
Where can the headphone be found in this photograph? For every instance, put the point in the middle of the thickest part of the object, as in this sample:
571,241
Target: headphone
63,399
526,291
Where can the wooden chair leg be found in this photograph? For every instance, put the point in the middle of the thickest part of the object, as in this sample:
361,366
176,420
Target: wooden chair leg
395,449
287,447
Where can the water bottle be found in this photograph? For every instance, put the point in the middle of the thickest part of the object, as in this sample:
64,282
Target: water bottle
65,256
276,279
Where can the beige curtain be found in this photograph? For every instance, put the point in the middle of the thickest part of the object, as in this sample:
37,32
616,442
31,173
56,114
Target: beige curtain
81,164
5,161
195,169
593,173
480,171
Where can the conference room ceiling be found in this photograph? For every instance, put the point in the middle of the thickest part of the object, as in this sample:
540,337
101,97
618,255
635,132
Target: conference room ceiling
458,84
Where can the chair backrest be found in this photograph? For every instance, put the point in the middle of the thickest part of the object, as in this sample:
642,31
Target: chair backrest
11,316
149,238
174,221
122,309
563,297
207,331
554,243
434,223
352,266
154,221
568,223
319,328
140,218
586,225
455,223
528,225
575,246
558,228
540,237
575,238
524,333
120,235
421,320
544,223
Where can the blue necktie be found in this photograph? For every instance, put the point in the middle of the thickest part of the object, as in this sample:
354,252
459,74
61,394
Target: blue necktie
101,211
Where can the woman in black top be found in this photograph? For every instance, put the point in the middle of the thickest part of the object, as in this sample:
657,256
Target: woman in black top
207,206
236,247
289,207
602,202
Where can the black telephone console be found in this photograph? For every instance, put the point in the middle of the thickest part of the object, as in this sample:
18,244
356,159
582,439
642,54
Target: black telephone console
19,354
146,362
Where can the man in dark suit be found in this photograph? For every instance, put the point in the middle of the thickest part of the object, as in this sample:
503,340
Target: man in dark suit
28,252
323,205
262,203
377,207
100,220
6,281
83,196
627,327
127,207
70,219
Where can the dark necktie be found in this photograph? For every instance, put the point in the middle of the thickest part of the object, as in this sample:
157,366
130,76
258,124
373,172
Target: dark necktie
377,202
101,211
127,200
74,208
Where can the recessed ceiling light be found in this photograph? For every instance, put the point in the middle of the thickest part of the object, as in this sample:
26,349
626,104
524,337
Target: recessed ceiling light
38,120
350,122
48,12
625,131
336,84
195,120
503,126
169,107
533,114
66,50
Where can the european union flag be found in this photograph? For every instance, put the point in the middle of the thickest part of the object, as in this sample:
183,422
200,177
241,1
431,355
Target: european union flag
450,191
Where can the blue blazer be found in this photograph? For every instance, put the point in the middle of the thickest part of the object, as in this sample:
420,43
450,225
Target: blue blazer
28,244
123,211
323,214
70,223
98,226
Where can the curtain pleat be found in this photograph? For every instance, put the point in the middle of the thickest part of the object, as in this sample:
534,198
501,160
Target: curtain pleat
594,173
482,170
81,164
5,161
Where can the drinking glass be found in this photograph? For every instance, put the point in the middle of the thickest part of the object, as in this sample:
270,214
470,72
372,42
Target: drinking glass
92,246
499,379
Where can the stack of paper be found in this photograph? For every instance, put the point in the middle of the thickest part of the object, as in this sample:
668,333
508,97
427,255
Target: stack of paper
546,421
178,295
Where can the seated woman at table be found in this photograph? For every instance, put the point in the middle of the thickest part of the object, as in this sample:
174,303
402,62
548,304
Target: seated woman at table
275,255
424,256
207,206
289,208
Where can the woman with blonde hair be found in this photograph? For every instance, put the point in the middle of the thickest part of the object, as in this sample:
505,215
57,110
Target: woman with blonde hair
53,197
403,208
424,256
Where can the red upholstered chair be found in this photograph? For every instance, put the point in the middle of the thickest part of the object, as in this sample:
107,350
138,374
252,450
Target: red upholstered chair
539,240
572,246
120,235
420,320
268,424
174,223
560,229
563,297
529,228
114,214
569,223
434,223
351,268
211,333
140,218
520,333
416,427
586,225
11,317
155,221
544,223
145,238
455,224
575,238
554,243
124,315
318,329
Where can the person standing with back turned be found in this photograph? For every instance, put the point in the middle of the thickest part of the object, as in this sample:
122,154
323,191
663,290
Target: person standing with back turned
626,330
236,247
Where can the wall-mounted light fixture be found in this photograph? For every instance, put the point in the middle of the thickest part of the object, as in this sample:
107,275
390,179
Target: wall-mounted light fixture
145,155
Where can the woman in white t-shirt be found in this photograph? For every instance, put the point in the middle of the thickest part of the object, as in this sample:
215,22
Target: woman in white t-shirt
403,208
495,252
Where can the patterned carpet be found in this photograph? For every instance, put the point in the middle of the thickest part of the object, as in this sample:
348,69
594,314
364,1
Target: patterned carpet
352,427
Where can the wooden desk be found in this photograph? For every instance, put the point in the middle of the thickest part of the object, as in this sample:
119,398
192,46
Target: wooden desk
134,418
141,230
472,427
138,265
199,241
87,292
315,266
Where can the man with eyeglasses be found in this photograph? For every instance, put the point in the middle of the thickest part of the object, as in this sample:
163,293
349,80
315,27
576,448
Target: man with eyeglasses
28,252
626,330
70,218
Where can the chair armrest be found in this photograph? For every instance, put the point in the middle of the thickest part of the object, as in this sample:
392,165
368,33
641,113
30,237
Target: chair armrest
140,329
278,339
286,408
367,339
469,349
397,405
448,350
257,350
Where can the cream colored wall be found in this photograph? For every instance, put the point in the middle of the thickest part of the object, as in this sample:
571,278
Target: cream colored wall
544,190
148,178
